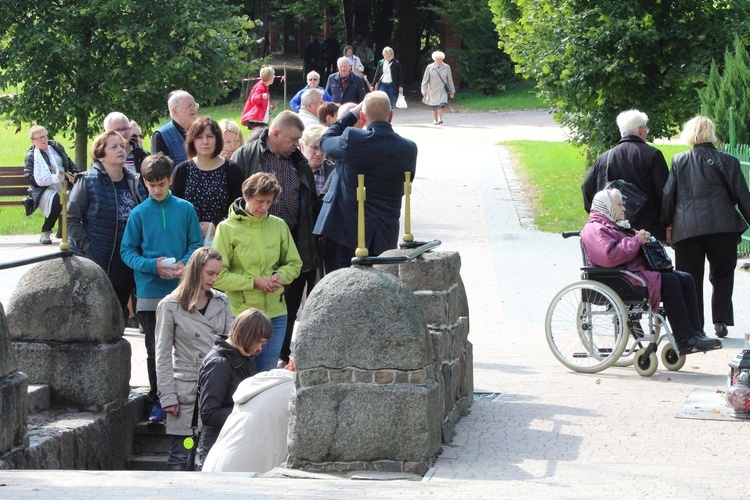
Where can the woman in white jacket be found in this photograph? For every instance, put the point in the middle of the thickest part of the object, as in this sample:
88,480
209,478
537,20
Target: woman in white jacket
253,439
187,323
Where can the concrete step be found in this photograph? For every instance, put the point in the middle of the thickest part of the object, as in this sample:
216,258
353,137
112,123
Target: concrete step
149,461
38,398
151,438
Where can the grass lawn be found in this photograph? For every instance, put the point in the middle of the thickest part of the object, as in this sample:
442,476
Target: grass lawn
552,173
519,95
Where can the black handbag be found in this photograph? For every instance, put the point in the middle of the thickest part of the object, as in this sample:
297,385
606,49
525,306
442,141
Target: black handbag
28,205
445,85
633,199
656,256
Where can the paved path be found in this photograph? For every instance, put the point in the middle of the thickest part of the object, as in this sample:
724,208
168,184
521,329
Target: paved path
550,432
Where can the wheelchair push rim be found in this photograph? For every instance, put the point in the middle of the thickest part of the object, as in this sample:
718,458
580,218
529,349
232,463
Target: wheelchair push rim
586,326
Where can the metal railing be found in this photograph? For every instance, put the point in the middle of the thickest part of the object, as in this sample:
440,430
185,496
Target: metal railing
361,257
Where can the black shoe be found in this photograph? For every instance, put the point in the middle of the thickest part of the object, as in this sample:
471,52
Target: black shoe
721,330
698,344
701,334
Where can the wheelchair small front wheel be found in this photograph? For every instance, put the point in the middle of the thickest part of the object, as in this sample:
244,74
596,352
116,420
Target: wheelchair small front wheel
671,359
644,365
586,326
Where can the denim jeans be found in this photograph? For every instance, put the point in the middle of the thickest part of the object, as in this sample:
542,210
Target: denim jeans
269,357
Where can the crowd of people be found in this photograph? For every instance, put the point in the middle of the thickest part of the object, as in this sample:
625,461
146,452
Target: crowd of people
701,207
214,241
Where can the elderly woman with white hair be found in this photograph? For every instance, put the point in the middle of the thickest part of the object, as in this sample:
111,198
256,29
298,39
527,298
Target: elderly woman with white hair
703,198
437,86
609,241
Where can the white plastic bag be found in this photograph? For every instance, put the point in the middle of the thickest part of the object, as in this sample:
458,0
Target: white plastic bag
401,101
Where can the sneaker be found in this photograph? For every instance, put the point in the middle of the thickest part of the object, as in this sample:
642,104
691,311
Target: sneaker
44,238
440,122
157,414
131,322
698,344
721,330
434,122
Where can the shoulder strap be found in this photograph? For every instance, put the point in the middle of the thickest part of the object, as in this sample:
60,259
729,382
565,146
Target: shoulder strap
716,169
438,74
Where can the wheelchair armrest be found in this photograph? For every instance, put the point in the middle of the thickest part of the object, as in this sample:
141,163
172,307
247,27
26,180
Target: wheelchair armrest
603,271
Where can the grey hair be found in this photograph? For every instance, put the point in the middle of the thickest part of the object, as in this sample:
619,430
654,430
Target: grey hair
313,73
311,96
630,121
387,51
313,134
114,116
341,60
438,55
174,99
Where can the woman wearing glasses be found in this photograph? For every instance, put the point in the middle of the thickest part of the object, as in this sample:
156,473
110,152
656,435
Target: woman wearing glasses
313,82
45,168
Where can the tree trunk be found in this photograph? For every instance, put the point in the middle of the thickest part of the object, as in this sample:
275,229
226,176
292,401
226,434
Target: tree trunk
407,40
82,139
382,26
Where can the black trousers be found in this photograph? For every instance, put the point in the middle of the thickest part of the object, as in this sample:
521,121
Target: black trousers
681,303
294,293
721,251
54,214
147,319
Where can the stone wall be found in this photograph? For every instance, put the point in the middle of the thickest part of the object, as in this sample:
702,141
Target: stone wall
66,325
13,387
435,279
366,397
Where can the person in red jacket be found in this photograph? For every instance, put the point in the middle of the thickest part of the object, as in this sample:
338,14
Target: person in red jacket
258,106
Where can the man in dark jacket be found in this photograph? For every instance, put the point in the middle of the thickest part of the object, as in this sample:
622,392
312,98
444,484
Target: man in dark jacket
277,151
345,86
636,162
383,157
170,138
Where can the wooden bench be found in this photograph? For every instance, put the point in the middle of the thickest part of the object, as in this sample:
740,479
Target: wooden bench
12,184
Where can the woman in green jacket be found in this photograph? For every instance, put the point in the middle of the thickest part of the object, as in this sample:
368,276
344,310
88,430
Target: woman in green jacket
259,258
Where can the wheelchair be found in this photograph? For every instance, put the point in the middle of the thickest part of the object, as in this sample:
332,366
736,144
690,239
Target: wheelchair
594,323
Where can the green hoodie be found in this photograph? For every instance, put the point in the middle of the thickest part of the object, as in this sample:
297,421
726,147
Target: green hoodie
253,247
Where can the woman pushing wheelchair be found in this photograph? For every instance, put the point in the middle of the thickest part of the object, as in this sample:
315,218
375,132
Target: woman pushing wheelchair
609,241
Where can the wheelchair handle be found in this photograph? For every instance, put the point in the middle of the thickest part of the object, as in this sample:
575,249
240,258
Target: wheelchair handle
569,234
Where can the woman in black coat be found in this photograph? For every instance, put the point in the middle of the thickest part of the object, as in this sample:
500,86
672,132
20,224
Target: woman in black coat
702,196
45,167
230,362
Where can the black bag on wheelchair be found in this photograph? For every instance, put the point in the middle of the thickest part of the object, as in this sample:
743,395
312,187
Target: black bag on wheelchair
656,256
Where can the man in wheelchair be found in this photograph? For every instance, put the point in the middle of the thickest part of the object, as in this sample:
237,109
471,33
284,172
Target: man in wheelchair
608,241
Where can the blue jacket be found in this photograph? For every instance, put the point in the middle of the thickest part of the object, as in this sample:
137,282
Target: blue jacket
93,229
383,157
167,228
354,92
296,101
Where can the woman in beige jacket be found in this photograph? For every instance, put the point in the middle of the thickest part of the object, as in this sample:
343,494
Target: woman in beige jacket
187,323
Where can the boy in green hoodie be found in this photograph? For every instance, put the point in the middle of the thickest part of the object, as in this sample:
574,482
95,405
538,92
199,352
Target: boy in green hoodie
160,236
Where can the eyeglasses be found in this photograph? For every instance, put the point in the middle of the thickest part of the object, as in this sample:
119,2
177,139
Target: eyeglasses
137,136
121,130
313,79
39,138
193,105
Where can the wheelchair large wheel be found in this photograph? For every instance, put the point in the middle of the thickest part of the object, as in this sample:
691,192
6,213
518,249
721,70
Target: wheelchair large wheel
586,326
